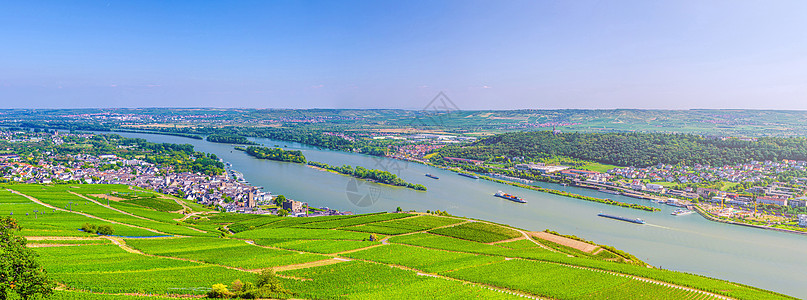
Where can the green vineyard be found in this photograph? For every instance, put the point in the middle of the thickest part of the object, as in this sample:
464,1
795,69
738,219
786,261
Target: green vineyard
164,247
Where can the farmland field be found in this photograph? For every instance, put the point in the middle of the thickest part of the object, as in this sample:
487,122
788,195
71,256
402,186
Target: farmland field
107,268
319,246
156,204
359,280
478,232
422,256
564,282
353,221
59,197
301,233
428,260
226,252
453,244
407,225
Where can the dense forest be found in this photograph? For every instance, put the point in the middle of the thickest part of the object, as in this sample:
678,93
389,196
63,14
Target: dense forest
229,139
632,149
371,174
295,156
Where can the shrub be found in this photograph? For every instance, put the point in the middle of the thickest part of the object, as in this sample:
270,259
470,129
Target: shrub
88,228
106,230
219,291
236,286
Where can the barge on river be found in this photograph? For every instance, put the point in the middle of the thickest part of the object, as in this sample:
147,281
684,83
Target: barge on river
621,218
507,196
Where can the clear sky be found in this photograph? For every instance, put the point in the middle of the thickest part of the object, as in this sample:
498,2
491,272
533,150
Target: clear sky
400,54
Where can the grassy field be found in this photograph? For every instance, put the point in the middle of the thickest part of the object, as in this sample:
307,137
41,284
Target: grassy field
302,233
564,282
59,196
318,246
109,269
353,221
401,226
227,252
419,257
359,280
478,232
428,260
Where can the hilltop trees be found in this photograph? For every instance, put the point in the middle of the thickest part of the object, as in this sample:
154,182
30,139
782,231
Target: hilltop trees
21,276
632,149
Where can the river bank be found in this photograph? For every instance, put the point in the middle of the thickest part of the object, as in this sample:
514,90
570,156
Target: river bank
714,218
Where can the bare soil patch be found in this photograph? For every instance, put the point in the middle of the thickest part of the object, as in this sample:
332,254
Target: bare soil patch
585,247
107,197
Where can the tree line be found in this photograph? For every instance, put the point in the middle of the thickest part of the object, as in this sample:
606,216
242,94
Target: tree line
380,176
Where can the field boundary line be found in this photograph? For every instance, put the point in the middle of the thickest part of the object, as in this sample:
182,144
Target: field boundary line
307,265
507,241
359,249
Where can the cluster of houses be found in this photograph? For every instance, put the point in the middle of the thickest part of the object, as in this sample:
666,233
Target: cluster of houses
228,190
754,171
224,190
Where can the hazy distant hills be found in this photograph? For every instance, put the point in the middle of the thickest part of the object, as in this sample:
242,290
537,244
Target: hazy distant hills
733,122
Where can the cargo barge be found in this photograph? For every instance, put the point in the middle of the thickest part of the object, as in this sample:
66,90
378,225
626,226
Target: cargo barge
507,196
621,218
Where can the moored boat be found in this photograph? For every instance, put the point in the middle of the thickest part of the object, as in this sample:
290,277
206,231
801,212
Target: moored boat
680,212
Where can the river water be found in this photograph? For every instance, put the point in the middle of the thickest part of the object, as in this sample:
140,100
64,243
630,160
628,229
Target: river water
771,260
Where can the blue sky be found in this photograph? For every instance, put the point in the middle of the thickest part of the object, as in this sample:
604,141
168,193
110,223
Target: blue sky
400,54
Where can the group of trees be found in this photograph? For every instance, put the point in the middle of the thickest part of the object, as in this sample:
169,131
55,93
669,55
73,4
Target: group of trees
632,149
371,174
102,229
295,156
265,286
21,276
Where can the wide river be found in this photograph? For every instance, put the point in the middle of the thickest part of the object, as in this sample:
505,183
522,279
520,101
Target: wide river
768,259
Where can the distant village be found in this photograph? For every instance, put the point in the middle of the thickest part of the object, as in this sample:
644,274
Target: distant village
228,191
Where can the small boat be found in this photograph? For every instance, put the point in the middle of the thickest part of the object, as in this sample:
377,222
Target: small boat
564,184
468,175
621,218
432,176
681,212
507,196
